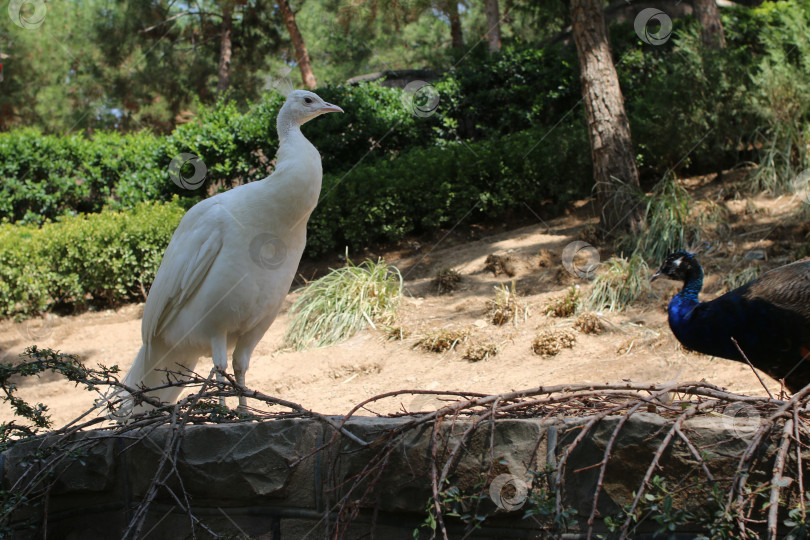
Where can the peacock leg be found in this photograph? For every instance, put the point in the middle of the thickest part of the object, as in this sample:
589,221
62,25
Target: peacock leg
241,360
240,378
241,354
219,354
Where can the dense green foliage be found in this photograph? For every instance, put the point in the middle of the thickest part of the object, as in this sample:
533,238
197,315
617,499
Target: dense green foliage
429,188
512,91
689,108
97,259
44,176
782,85
131,64
508,134
148,64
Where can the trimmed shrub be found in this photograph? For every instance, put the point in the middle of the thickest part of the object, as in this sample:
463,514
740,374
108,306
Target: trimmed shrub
430,188
97,259
44,176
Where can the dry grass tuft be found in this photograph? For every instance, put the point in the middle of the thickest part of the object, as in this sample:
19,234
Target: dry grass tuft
552,342
544,258
480,351
589,323
446,280
396,332
619,283
507,306
500,264
443,340
566,305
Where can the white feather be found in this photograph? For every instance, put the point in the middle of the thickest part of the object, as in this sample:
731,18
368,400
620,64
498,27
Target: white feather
281,84
215,290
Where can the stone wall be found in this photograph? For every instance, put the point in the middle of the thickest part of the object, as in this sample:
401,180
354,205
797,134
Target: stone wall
277,479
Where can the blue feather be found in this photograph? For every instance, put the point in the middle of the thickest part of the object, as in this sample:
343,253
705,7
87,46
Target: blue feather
769,318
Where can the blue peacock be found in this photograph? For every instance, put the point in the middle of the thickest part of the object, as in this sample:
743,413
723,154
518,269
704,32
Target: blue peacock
769,318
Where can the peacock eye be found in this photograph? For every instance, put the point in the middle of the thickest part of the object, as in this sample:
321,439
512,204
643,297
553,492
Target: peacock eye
307,100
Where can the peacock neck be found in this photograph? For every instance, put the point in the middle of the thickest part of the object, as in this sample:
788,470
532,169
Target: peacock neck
682,305
692,285
288,129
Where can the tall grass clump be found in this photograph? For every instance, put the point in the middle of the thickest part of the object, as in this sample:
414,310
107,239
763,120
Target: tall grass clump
334,307
669,223
619,283
782,85
739,278
507,306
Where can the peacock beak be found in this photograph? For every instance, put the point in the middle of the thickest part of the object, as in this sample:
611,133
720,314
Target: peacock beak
655,276
328,107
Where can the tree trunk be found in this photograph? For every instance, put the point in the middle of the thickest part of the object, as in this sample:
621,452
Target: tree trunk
225,49
614,166
711,32
456,37
301,54
493,26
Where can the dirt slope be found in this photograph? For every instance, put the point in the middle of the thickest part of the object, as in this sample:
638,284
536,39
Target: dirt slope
638,345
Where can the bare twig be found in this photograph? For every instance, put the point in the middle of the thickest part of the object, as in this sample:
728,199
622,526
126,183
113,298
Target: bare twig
777,482
799,464
747,361
654,465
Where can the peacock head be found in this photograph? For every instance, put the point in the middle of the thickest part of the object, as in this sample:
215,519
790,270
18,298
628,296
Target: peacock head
302,106
680,266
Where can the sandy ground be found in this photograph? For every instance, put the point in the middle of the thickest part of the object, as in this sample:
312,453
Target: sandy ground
638,345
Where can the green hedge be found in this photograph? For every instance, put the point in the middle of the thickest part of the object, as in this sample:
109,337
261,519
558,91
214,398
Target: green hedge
97,259
46,176
431,188
238,146
43,177
107,258
512,91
